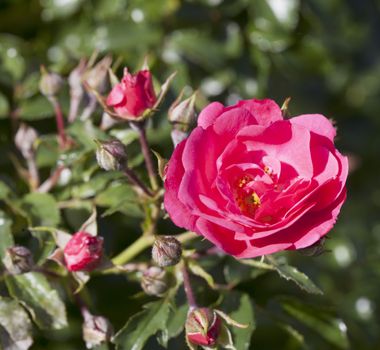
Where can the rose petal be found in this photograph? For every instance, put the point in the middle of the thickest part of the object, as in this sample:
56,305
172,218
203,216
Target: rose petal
116,96
265,111
209,114
316,123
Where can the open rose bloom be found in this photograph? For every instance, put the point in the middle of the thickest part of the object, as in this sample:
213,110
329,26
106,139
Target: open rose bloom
253,183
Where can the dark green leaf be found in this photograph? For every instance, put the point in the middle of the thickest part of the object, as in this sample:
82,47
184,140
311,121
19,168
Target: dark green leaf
4,107
41,208
239,307
175,324
291,273
15,326
43,302
119,197
319,320
236,271
6,238
36,108
141,326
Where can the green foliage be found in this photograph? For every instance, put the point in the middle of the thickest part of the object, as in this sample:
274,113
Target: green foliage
33,290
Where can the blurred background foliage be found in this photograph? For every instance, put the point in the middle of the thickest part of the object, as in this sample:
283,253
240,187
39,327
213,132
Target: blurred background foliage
325,54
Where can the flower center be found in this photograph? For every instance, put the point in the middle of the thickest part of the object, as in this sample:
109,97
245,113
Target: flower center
246,197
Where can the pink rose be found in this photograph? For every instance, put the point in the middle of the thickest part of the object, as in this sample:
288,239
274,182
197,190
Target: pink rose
253,183
133,96
83,252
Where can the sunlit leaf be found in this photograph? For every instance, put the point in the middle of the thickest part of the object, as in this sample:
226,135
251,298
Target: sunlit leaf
15,326
142,326
43,302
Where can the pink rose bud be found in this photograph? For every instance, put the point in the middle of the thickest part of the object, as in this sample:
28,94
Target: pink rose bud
18,259
25,140
111,155
83,252
96,330
133,96
166,251
203,327
155,281
50,83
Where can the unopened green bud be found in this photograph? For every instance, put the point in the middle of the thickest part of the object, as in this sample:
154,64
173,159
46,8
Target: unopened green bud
50,83
18,259
111,155
25,139
156,281
182,114
166,251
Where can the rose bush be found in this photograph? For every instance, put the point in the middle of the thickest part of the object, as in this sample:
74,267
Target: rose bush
253,183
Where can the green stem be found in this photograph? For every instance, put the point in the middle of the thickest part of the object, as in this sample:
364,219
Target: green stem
144,242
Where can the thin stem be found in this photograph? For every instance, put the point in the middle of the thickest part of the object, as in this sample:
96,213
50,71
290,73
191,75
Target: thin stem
129,173
146,152
34,177
90,108
143,243
134,249
59,120
49,183
187,286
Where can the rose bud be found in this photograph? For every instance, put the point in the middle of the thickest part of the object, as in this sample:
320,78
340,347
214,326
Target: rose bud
25,139
18,259
50,83
166,251
182,114
111,155
96,330
203,327
83,252
178,136
133,96
155,281
96,76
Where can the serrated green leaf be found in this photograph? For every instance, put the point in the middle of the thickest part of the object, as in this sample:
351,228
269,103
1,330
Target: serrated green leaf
290,273
175,324
319,320
36,108
15,325
239,307
119,197
33,290
142,326
41,208
236,271
6,238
